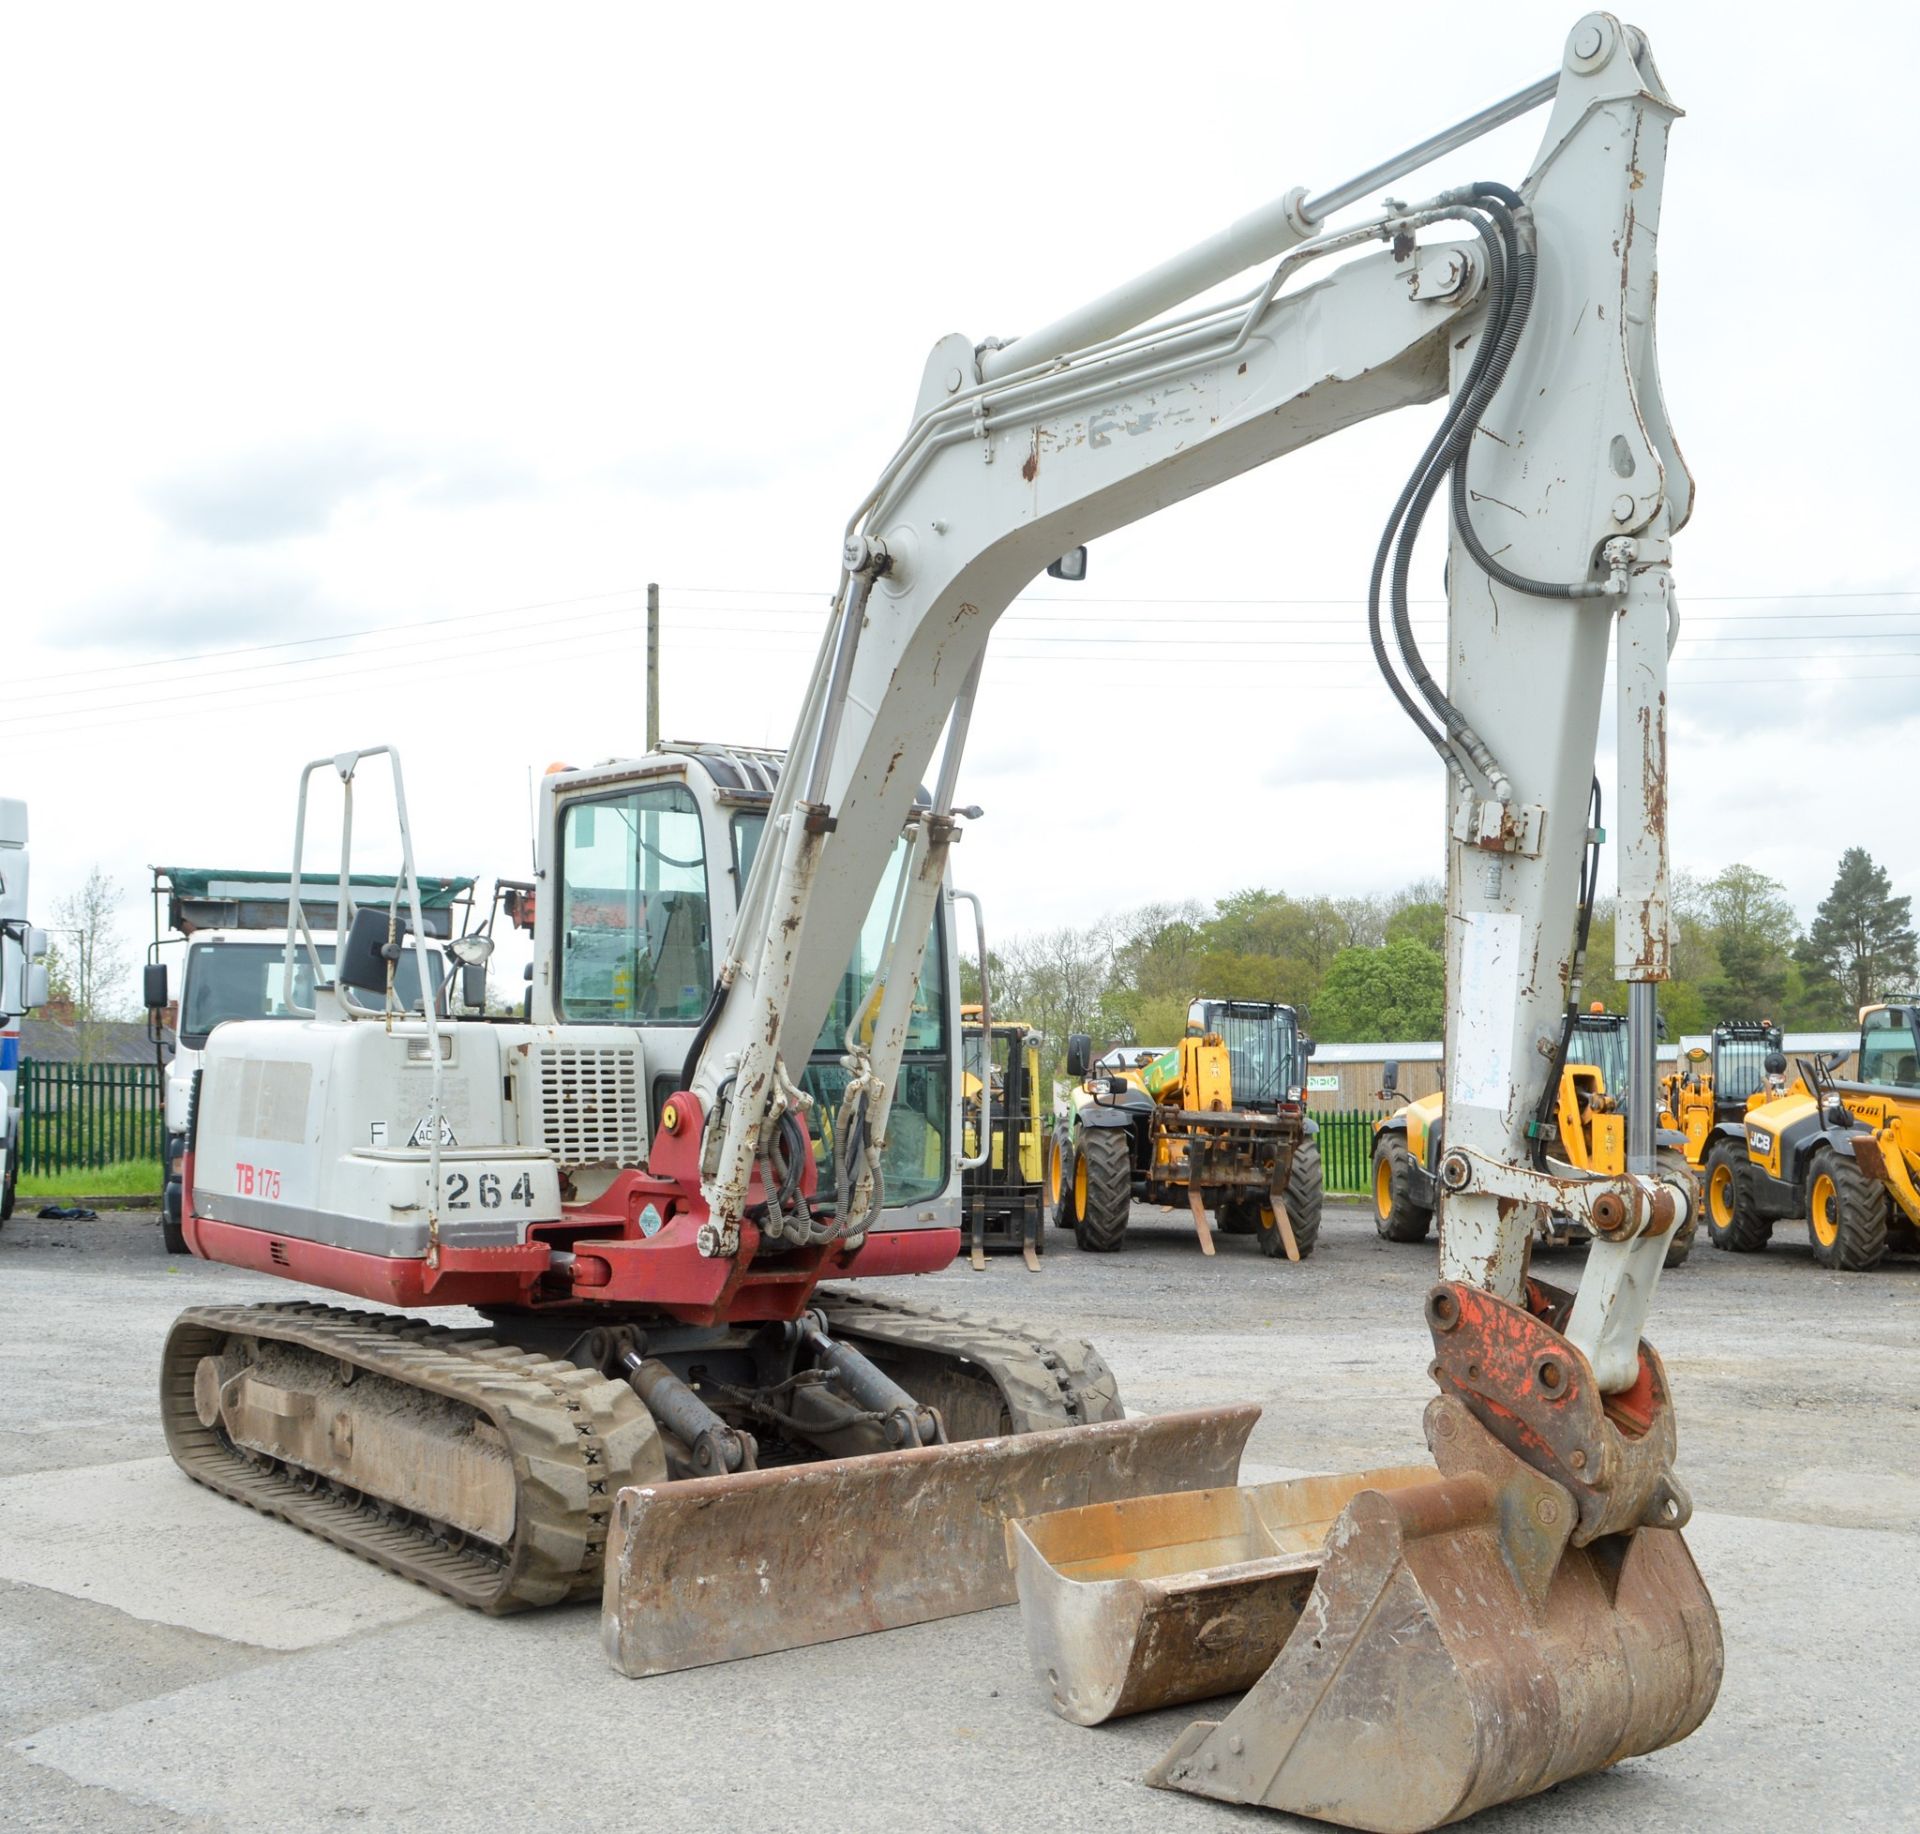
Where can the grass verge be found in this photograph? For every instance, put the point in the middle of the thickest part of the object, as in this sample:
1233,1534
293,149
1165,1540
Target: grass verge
127,1178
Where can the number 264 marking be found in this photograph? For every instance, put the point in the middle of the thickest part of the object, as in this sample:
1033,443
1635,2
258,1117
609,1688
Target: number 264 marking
487,1188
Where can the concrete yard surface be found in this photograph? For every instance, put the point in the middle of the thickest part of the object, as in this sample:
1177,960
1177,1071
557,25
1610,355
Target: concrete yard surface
173,1660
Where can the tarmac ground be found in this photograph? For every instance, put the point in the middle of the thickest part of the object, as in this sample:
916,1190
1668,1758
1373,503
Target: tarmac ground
174,1661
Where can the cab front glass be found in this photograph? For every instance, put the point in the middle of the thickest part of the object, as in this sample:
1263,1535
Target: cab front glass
636,948
1888,1053
1262,1048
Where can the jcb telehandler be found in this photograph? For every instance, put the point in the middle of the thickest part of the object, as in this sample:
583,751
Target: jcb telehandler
1844,1155
1705,1102
1215,1123
1000,1187
1589,1133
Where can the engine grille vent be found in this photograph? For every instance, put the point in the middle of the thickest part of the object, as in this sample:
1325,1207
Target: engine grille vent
589,1106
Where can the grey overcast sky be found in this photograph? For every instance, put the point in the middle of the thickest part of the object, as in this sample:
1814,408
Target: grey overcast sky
413,340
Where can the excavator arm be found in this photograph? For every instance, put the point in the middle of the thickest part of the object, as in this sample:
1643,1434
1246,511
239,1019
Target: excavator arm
1532,311
1420,1643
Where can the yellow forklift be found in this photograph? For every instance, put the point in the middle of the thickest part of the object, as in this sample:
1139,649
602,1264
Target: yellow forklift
1000,1186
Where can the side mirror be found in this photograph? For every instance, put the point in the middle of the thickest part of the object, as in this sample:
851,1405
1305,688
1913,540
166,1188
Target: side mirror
37,945
473,986
153,986
1079,1055
1307,1046
39,989
1776,1063
1389,1077
1072,565
363,960
1659,1025
471,951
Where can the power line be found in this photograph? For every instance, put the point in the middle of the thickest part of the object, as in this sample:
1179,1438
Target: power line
1056,598
336,636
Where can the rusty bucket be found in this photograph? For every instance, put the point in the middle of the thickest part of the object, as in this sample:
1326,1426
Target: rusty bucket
1444,1648
1158,1600
710,1569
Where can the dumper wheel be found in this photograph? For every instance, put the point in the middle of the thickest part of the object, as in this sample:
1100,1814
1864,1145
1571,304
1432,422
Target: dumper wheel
1727,1198
1102,1188
1847,1214
1305,1193
1058,1199
1395,1214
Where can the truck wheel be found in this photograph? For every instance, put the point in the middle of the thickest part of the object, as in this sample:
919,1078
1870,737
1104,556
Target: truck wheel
1103,1188
1395,1215
1727,1198
1058,1201
1305,1193
1847,1214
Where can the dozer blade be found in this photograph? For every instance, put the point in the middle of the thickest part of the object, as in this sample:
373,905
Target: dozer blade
712,1569
1445,1649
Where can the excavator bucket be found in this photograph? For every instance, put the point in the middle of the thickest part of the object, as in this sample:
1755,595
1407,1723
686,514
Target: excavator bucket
1154,1601
710,1569
1443,1648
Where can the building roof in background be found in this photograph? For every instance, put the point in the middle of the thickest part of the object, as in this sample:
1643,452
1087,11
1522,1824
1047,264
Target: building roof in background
1429,1050
114,1041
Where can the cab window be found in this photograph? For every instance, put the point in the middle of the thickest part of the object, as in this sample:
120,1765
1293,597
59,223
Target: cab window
1887,1049
635,943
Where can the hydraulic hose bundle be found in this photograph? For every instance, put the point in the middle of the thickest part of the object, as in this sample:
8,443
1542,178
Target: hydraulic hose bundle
1500,218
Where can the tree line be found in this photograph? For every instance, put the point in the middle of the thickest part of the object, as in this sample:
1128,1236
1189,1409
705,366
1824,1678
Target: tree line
1367,970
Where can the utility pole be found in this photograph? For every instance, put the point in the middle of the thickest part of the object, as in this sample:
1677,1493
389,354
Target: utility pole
653,666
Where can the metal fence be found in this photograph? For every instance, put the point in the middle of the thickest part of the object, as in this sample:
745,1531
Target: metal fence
81,1116
1346,1151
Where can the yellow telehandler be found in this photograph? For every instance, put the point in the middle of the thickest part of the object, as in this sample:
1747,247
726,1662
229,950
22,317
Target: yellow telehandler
1843,1155
1216,1122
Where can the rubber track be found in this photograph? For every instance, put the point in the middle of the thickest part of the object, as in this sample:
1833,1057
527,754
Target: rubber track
1047,1382
574,1438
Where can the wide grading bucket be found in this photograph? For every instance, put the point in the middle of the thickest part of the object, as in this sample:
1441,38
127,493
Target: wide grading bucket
710,1569
1444,1647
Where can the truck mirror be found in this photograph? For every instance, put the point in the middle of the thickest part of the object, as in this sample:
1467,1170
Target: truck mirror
39,990
153,984
363,958
1307,1047
1079,1055
1390,1078
1072,565
37,945
1776,1063
473,986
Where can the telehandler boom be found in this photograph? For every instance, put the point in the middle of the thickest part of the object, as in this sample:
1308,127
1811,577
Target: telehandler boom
1523,1612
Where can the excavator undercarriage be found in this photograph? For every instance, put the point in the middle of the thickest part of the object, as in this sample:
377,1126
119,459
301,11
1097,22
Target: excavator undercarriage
485,1463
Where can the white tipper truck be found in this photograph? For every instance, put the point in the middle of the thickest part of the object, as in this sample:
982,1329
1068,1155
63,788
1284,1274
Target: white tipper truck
229,930
23,986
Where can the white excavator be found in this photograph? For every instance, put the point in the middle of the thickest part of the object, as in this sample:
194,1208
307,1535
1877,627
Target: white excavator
646,1182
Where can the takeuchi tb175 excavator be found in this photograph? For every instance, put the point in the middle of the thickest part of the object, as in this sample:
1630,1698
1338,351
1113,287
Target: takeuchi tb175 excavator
740,1054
